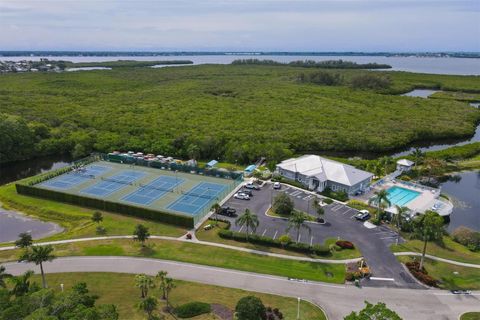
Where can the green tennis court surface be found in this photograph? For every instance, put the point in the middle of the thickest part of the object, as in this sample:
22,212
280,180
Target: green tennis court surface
153,188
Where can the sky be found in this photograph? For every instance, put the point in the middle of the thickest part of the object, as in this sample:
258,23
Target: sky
248,25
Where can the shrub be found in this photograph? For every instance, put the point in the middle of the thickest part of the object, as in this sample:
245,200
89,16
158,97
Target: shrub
467,237
345,244
282,204
284,240
320,250
250,308
327,201
349,276
370,81
101,230
421,275
192,309
337,195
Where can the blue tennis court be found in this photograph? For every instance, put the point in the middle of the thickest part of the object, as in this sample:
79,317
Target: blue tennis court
114,183
154,190
194,200
73,178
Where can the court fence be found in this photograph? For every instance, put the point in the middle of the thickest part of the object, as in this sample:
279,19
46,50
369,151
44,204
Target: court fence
106,205
27,187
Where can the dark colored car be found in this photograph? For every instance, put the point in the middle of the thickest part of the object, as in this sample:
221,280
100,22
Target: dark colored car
228,211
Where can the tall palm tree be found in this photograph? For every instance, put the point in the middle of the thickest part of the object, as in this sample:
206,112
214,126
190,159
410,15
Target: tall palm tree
143,282
148,305
216,209
381,200
3,276
169,285
39,255
162,275
418,155
318,208
21,284
297,221
249,220
401,211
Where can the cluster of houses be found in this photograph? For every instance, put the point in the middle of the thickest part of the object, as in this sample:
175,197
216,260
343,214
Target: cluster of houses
44,65
131,155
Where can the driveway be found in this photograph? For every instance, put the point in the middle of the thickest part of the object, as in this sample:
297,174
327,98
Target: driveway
336,300
340,223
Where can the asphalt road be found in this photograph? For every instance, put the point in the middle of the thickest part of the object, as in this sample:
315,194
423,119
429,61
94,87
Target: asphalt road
340,223
336,300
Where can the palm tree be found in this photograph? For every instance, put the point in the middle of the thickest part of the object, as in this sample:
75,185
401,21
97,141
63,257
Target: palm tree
249,220
24,240
141,234
169,285
418,155
162,275
21,284
297,221
144,282
318,208
97,217
39,255
401,211
380,199
216,209
428,227
148,305
3,276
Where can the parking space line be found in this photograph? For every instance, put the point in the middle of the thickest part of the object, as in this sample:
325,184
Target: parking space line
240,230
311,241
308,197
299,237
294,193
392,237
338,207
275,235
353,216
346,211
264,232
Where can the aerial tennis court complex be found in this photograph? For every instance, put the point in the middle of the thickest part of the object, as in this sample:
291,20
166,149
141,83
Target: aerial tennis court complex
160,189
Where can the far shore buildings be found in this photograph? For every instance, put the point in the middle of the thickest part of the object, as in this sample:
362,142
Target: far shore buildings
318,173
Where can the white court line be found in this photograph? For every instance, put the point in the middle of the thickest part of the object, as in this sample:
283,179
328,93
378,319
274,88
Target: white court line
275,235
264,232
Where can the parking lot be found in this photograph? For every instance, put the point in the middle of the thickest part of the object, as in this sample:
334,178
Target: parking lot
340,223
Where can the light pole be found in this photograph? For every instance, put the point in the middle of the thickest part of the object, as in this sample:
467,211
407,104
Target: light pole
298,308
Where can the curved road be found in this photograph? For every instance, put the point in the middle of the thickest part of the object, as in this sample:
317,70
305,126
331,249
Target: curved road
337,300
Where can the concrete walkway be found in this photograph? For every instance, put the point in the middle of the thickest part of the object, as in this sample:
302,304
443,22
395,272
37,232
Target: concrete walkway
196,241
462,264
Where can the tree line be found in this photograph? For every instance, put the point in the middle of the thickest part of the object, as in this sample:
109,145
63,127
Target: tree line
327,64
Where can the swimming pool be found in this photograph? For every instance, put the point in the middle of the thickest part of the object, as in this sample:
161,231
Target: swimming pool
401,196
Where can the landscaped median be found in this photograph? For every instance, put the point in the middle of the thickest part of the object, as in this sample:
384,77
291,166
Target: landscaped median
199,254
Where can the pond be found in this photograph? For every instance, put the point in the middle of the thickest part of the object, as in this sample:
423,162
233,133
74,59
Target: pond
420,93
465,196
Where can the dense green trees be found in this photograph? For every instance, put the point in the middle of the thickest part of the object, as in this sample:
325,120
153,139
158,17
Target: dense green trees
250,308
282,204
26,300
233,113
378,311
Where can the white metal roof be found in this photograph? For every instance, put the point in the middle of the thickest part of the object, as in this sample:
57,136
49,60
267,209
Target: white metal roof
325,169
405,162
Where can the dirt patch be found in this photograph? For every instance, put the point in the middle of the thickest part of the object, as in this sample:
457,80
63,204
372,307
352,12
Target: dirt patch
222,311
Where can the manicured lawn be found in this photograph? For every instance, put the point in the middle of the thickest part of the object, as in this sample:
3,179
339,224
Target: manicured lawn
199,254
451,250
76,220
470,316
212,236
451,276
119,289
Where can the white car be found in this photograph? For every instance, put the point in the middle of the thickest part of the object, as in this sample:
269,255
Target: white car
277,185
242,196
251,185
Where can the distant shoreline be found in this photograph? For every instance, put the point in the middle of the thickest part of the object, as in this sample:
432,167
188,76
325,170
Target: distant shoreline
17,53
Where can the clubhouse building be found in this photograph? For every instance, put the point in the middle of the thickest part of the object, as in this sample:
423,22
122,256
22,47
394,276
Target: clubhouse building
318,173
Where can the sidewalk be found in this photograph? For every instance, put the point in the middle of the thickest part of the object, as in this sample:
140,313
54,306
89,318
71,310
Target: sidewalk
462,264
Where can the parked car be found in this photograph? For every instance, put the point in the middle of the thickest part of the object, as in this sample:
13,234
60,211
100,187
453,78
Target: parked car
277,185
247,191
242,196
228,211
251,185
363,215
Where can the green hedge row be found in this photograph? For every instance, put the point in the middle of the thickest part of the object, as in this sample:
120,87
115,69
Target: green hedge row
317,249
106,205
192,309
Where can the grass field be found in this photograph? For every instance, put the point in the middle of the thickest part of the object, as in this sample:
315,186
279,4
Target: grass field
76,220
119,289
199,254
470,316
450,250
210,107
211,235
451,276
